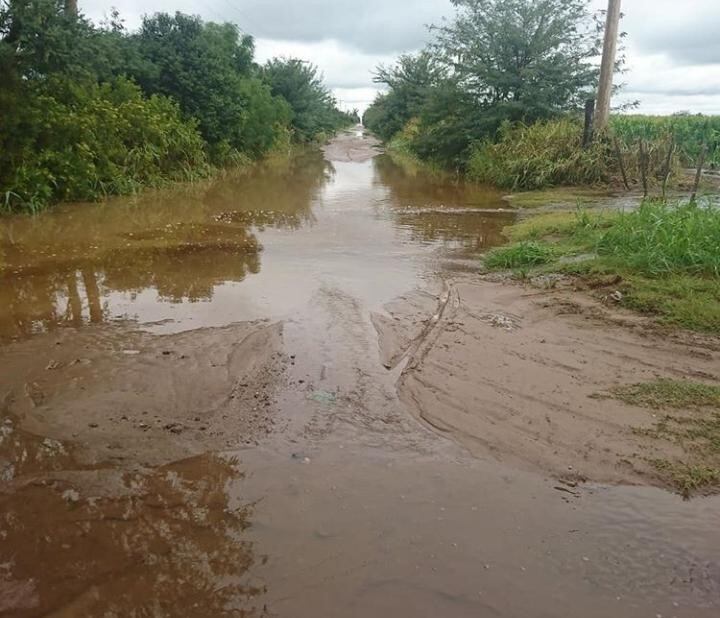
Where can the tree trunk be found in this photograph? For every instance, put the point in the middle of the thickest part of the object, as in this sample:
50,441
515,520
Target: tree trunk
71,7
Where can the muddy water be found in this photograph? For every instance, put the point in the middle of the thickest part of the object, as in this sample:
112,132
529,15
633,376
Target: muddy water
341,504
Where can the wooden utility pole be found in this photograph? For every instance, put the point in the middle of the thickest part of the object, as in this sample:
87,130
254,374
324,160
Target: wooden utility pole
607,68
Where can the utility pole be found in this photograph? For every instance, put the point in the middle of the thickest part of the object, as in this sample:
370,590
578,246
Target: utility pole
71,7
607,68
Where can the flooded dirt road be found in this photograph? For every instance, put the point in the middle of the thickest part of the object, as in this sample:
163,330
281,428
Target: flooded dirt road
289,393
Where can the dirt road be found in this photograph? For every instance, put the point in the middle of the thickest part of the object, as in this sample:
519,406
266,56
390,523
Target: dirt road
292,393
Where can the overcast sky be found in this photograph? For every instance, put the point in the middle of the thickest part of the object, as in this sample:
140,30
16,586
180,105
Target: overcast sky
673,47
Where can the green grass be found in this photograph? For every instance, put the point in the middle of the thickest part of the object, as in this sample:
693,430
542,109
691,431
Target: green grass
518,255
687,478
658,238
540,155
670,394
666,256
695,429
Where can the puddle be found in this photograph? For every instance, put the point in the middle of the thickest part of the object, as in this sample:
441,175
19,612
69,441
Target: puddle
249,246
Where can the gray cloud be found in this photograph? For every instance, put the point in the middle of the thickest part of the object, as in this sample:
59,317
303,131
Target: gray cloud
372,26
673,48
686,32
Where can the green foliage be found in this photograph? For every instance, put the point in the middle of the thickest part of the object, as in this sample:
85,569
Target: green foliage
665,393
658,238
664,259
526,253
688,132
522,60
410,81
85,142
496,62
207,69
544,154
88,111
314,111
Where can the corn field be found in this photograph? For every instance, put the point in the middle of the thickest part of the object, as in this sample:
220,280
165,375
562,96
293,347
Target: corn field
689,133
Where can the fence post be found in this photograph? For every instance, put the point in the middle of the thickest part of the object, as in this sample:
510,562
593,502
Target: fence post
621,163
643,167
698,174
589,116
668,163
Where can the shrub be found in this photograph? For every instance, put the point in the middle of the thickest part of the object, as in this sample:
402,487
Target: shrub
82,142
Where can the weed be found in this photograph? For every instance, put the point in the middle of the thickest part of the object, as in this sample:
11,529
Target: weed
526,253
686,478
670,394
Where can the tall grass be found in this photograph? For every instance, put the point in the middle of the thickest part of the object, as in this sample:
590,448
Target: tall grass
543,154
658,238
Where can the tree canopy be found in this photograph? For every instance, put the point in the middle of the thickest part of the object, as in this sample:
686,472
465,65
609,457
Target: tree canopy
495,61
87,110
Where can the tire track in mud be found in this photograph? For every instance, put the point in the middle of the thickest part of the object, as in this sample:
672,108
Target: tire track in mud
507,373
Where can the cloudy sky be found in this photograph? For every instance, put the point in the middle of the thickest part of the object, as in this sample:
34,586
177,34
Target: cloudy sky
673,48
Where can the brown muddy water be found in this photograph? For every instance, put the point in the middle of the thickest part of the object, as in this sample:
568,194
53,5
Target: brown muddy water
197,419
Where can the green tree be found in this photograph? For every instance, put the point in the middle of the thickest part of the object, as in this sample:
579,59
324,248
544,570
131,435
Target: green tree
206,68
409,82
314,109
522,59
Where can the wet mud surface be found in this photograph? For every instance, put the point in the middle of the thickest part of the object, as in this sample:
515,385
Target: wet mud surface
288,393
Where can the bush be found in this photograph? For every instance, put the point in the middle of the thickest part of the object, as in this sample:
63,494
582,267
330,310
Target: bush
82,142
541,155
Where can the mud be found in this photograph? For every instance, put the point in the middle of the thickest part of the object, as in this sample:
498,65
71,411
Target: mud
518,374
289,392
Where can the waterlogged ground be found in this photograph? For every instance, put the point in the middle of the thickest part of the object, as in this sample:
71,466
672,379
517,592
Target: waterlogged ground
288,393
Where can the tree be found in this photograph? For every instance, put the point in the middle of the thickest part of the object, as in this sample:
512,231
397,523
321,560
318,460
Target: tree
314,110
409,82
522,59
206,67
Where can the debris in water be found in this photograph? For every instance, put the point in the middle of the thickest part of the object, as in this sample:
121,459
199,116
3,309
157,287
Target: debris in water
323,397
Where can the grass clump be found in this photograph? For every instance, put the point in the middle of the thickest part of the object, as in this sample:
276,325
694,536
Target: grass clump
557,196
687,478
666,257
576,224
696,432
670,394
519,255
658,238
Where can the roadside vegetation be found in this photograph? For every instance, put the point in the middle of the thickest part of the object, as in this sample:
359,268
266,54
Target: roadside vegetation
664,259
498,97
88,111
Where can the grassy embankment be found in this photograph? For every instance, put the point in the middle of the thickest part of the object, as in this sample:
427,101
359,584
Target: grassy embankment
665,262
667,257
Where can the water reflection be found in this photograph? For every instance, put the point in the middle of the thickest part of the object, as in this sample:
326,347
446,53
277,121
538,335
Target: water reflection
60,268
81,264
167,542
440,209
